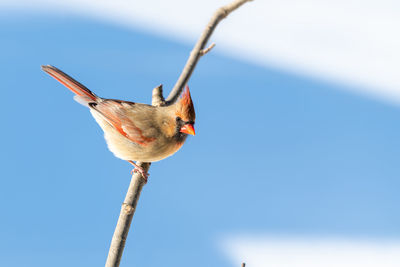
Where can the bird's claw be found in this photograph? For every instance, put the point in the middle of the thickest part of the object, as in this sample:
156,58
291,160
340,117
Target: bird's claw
139,169
144,174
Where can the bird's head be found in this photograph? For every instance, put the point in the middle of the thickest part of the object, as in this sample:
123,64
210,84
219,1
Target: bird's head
184,113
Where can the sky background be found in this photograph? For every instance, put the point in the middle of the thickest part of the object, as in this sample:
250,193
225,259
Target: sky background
294,162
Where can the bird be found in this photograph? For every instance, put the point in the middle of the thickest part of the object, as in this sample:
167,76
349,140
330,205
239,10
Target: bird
135,131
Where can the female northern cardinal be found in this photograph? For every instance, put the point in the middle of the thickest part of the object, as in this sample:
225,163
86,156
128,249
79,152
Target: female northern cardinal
134,131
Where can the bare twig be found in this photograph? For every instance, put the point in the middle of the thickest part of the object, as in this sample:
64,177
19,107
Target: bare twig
125,217
137,181
157,99
205,51
196,53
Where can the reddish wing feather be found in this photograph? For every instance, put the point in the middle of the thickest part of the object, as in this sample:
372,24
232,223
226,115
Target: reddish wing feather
112,110
117,115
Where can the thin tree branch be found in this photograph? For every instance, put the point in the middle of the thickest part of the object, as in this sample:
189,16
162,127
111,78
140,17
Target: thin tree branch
208,49
196,53
125,217
137,182
158,99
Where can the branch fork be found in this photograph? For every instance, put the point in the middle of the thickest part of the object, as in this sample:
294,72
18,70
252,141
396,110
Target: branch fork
208,49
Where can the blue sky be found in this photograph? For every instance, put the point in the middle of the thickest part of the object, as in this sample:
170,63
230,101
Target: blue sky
275,153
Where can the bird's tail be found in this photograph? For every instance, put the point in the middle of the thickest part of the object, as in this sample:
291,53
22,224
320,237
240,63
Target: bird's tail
83,95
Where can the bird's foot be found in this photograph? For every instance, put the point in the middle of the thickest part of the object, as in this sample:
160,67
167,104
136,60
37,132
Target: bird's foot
140,170
144,174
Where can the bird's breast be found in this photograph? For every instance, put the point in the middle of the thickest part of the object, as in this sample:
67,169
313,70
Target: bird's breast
159,148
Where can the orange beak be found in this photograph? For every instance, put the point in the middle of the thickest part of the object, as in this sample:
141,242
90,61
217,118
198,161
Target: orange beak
187,129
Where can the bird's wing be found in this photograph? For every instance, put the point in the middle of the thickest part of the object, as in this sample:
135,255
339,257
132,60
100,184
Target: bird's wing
119,114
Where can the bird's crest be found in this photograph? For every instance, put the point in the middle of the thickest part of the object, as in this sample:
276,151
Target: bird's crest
185,107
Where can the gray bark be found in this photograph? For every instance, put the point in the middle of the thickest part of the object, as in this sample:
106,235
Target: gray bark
125,217
199,49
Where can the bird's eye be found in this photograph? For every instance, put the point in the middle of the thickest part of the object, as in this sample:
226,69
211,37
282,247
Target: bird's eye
178,119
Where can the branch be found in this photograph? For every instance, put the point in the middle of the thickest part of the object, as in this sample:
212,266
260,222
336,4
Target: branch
137,182
125,217
198,49
157,98
205,51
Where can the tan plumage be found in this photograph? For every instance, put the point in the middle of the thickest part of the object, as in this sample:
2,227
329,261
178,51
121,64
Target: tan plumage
134,131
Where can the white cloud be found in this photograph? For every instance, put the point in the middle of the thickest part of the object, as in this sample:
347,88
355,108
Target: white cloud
350,41
311,252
